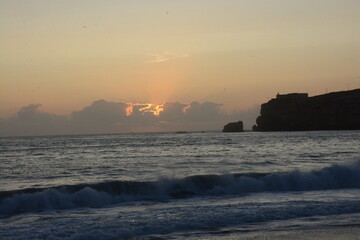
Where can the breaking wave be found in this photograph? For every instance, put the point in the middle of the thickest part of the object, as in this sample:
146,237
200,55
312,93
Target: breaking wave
108,193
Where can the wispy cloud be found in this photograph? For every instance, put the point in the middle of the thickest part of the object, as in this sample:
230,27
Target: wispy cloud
165,56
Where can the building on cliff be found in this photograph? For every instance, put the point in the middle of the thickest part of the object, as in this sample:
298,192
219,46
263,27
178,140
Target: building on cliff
292,96
298,112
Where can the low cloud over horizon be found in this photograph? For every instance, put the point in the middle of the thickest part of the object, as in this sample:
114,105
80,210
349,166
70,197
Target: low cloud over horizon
118,117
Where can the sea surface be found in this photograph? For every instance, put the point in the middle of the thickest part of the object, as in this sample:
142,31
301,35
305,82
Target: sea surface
174,186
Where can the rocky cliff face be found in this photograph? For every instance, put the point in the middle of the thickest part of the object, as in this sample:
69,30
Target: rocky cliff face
298,112
234,127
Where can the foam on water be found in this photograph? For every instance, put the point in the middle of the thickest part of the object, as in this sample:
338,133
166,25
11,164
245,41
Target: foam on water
108,193
200,214
160,185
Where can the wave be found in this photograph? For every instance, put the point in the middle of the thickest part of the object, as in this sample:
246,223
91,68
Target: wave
108,193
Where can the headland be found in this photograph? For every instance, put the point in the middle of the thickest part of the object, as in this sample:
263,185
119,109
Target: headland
299,112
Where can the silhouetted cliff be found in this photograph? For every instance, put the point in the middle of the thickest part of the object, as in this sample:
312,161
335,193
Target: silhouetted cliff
234,127
298,112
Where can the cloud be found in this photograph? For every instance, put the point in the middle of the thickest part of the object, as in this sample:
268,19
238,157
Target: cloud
30,113
166,56
203,111
30,121
116,117
173,111
100,117
101,112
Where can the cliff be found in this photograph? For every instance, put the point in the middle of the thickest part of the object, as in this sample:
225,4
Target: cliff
234,127
298,112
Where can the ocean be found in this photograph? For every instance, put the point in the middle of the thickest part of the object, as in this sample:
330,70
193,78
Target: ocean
212,185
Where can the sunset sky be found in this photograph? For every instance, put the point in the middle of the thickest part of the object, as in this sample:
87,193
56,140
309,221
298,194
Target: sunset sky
67,54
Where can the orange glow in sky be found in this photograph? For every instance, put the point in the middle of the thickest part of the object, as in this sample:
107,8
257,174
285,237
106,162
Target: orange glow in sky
147,108
238,53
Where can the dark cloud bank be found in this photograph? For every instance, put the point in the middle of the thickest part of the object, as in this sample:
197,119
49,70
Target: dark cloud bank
117,117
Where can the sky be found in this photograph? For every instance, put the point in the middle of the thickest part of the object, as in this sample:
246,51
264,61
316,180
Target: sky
62,57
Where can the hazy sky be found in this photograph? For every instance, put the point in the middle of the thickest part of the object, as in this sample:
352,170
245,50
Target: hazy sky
66,54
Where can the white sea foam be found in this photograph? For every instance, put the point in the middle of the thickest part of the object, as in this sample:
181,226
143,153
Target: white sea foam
159,185
199,214
108,193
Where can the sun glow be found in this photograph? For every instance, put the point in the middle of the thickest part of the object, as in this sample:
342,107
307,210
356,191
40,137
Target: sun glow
158,109
144,108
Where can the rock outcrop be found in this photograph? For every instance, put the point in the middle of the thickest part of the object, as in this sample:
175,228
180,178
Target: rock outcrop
234,127
298,112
